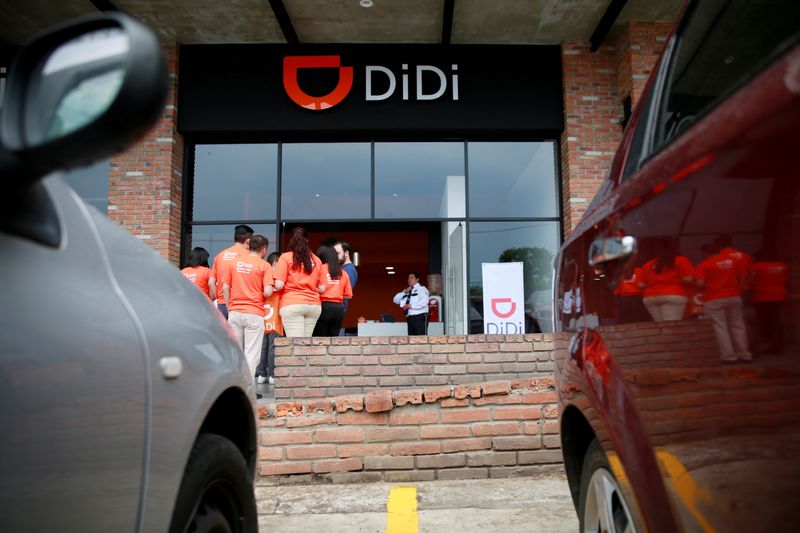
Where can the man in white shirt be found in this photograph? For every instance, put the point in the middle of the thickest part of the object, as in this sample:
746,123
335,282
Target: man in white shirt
414,302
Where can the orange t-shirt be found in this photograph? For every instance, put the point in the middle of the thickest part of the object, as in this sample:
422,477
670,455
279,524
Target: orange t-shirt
769,281
199,276
630,286
337,289
743,262
247,277
272,318
668,282
299,288
222,263
721,276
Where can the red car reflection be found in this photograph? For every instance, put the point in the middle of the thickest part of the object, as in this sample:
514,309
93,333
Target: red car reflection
679,376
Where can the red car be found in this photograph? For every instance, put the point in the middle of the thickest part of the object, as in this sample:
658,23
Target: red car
678,294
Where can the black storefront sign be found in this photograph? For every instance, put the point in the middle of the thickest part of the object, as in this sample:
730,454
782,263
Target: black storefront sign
369,91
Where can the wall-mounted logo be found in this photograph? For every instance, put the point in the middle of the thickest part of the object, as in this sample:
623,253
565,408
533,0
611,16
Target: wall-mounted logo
511,308
291,64
380,83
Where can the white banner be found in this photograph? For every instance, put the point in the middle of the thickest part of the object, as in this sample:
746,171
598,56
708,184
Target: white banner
503,299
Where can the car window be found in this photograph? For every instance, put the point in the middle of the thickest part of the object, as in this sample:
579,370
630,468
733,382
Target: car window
721,45
637,143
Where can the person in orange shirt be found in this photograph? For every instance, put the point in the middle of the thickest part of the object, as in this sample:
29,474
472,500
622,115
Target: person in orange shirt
722,281
769,294
273,328
628,297
246,285
742,259
299,278
223,261
663,283
197,271
338,288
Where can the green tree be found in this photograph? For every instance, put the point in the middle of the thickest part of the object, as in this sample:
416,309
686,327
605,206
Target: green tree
536,266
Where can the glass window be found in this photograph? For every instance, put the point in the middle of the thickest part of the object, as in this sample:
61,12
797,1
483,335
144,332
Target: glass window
91,184
419,180
216,238
723,44
532,243
326,181
512,179
235,181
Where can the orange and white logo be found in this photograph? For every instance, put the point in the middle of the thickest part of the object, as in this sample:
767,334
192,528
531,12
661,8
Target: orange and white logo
291,64
496,303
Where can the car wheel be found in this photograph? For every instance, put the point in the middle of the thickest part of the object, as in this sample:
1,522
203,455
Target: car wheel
216,493
602,506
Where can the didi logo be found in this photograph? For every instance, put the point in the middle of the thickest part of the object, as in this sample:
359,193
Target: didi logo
291,64
496,303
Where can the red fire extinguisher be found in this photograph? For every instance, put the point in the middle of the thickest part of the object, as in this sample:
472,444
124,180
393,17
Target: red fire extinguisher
434,305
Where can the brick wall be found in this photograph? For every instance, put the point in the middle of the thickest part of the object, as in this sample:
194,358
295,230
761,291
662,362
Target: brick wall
145,181
325,367
470,431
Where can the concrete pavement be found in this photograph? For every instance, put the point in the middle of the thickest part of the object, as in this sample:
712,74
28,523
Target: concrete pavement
531,504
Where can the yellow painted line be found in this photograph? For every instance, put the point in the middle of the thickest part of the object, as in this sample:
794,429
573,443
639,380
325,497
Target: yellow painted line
686,487
401,510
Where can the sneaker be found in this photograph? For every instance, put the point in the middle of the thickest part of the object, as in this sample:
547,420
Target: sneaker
745,357
263,379
730,359
271,380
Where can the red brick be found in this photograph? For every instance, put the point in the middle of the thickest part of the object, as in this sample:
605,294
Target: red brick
517,443
465,445
391,360
465,358
432,395
344,350
339,435
361,360
529,397
540,457
491,458
378,401
342,371
386,462
269,438
362,450
280,469
378,350
495,428
310,350
498,400
550,411
414,448
354,402
305,372
550,427
272,423
516,413
351,418
392,434
379,371
530,428
305,421
465,391
551,441
402,397
338,465
327,360
520,384
445,404
496,387
449,460
470,415
325,406
403,417
324,382
444,432
270,454
311,452
283,409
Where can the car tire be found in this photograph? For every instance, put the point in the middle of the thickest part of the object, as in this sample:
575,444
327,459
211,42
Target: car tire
602,506
216,493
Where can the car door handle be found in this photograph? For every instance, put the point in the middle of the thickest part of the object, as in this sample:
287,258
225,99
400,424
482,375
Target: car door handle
608,249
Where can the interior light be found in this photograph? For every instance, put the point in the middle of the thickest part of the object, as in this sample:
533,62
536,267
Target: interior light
391,272
366,3
316,195
389,268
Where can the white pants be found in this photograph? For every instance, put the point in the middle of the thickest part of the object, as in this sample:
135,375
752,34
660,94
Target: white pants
728,318
666,307
299,319
249,331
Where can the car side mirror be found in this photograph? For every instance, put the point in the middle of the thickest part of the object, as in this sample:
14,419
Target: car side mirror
79,93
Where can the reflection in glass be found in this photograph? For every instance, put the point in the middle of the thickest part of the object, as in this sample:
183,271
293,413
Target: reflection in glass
419,180
515,179
326,181
91,184
532,243
235,181
216,238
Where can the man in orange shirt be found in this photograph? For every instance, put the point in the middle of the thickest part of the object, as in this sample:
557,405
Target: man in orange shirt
246,285
223,261
722,280
768,284
273,328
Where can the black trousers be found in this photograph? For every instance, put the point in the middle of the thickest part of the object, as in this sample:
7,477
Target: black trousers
330,320
417,324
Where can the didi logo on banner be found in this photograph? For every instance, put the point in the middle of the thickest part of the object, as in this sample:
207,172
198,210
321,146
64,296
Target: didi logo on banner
291,64
497,302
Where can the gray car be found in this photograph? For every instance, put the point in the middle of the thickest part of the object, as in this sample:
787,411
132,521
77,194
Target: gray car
124,402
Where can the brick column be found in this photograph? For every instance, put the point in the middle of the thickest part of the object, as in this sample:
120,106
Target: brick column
637,51
145,181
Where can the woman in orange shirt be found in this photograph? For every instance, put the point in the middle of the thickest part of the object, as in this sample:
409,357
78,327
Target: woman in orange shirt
197,270
770,278
663,283
338,287
298,277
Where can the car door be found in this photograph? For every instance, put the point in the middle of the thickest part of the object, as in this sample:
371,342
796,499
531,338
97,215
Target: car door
713,170
73,402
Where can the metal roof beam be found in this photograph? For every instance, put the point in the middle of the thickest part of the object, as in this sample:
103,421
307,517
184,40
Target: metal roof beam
604,26
284,21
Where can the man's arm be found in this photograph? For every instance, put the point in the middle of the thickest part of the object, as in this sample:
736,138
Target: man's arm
226,292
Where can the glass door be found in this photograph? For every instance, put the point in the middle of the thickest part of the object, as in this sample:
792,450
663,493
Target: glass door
455,288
